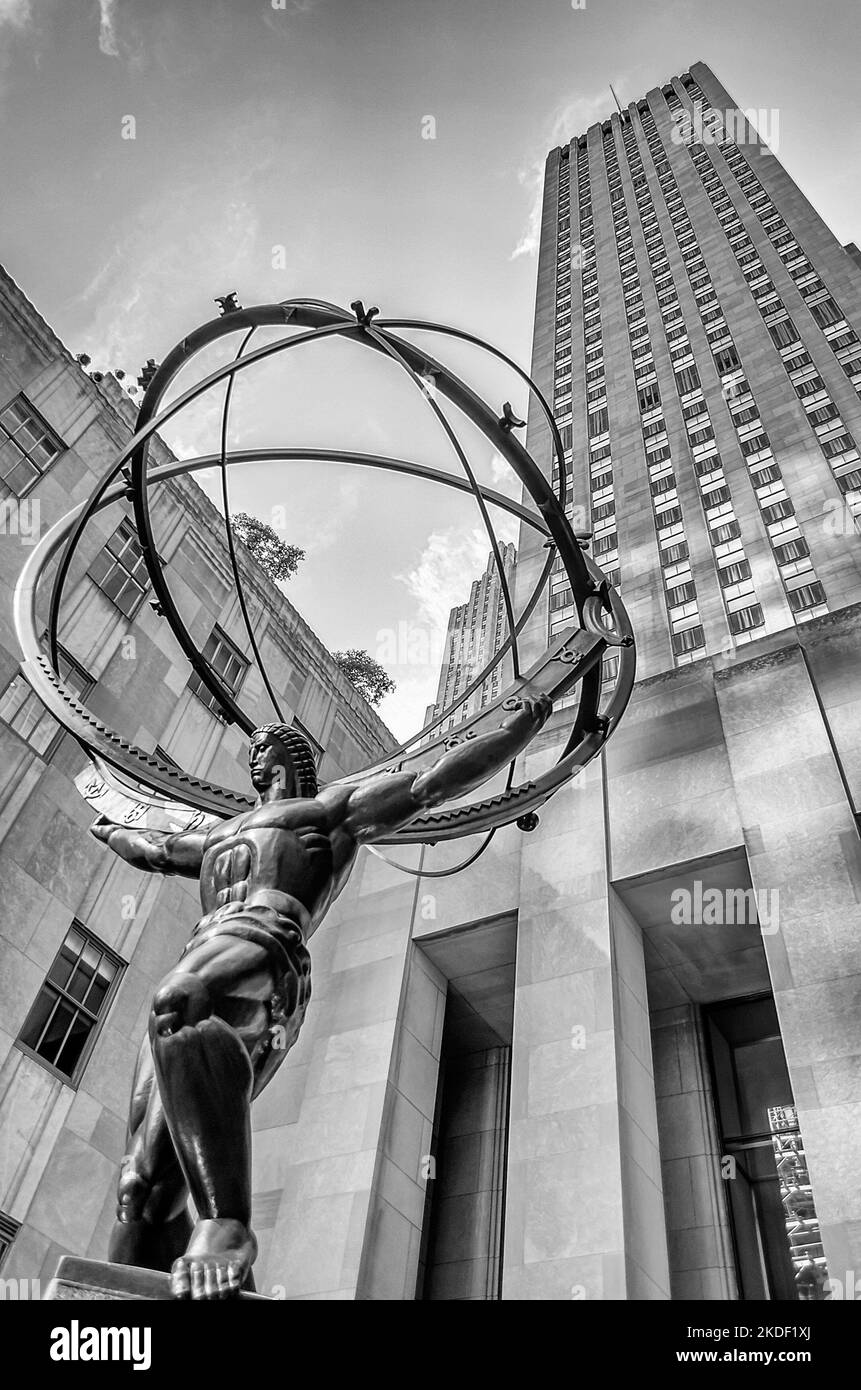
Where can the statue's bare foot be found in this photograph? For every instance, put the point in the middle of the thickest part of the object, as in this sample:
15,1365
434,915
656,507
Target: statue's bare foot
219,1255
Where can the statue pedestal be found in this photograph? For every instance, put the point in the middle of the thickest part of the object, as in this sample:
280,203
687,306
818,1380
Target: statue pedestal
95,1279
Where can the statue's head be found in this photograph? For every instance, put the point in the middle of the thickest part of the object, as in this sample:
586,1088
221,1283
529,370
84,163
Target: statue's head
280,755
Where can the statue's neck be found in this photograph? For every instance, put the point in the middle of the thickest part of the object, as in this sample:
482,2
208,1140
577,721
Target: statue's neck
273,793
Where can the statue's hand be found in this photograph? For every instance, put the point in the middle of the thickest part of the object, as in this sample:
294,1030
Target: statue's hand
102,827
532,710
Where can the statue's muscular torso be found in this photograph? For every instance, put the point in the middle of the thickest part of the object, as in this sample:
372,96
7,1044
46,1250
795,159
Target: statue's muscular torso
288,849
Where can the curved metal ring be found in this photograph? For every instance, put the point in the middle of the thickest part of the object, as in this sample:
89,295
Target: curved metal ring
594,600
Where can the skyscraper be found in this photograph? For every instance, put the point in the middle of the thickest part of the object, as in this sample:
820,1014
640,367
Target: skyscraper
476,630
693,330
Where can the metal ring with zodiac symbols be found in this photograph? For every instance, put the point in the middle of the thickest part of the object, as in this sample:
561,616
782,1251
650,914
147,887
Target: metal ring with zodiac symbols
573,659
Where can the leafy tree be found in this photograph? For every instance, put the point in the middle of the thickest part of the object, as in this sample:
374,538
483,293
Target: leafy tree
366,674
279,559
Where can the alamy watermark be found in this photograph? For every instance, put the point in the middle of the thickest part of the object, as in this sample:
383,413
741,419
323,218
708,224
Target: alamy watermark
696,128
21,517
726,907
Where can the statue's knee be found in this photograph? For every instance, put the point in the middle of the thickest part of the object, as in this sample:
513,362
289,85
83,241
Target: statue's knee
181,1001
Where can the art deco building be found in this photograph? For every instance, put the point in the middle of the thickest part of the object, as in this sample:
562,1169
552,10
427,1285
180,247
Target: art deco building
476,631
697,331
83,937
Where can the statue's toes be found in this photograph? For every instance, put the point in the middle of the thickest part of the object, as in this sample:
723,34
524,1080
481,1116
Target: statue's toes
180,1278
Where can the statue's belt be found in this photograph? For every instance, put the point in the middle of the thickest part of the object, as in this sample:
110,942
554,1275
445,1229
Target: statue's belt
277,933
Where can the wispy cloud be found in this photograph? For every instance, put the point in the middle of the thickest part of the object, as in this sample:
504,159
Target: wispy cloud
569,119
144,270
17,13
444,571
108,28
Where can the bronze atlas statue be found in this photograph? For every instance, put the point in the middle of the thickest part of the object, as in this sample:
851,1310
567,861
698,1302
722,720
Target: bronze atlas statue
270,866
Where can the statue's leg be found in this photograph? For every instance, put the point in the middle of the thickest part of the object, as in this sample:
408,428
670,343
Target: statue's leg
152,1225
211,1032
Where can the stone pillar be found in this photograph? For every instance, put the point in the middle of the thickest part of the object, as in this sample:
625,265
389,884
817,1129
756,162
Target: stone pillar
584,1212
802,843
700,1244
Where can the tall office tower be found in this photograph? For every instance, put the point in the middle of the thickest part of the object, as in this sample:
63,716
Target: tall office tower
694,330
476,630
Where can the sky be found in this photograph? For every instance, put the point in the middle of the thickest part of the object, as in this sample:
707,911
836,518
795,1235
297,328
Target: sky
388,150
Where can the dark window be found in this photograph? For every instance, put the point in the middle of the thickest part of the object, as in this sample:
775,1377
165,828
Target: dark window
682,593
119,570
688,641
754,444
227,662
850,482
769,474
808,596
729,531
659,485
809,388
701,436
791,550
783,333
9,1229
562,599
745,619
71,1006
598,422
734,573
832,447
777,511
707,465
602,544
726,360
649,397
28,445
674,553
826,312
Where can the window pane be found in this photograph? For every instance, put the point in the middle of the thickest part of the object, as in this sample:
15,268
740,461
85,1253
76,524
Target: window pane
55,1034
67,1059
66,960
38,1017
80,981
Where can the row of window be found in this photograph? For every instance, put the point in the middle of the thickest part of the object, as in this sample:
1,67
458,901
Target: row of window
679,589
744,614
833,437
827,314
772,499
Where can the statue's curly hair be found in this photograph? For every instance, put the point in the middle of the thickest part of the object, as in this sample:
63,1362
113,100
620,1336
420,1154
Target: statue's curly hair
301,754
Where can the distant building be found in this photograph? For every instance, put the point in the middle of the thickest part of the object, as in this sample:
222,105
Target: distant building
476,631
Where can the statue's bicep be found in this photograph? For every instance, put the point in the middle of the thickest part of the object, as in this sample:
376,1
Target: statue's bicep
381,804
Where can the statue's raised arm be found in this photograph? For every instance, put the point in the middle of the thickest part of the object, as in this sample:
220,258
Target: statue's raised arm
384,803
154,851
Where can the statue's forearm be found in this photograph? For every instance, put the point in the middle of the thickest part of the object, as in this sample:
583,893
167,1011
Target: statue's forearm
387,801
141,849
473,761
